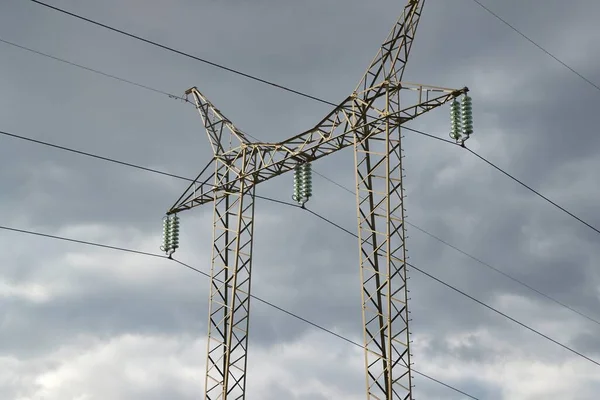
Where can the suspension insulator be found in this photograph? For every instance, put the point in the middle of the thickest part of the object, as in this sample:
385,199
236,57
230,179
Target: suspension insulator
455,120
166,234
302,183
174,232
297,184
307,181
466,114
170,234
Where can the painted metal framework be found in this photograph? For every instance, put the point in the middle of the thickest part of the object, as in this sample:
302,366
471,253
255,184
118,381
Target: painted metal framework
369,120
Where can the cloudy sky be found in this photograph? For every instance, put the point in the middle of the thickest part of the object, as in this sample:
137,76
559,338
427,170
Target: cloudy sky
84,323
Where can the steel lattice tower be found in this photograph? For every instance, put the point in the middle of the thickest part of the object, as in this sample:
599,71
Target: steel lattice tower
369,120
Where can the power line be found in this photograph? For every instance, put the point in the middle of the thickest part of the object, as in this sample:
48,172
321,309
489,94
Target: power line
328,221
534,191
537,45
123,80
190,267
317,99
322,328
506,275
505,315
95,244
334,182
96,71
511,177
308,210
499,271
173,50
296,92
429,135
170,95
282,87
83,153
278,86
311,96
474,299
355,236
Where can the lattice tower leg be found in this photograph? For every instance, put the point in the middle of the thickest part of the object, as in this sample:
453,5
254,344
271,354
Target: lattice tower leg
381,231
229,303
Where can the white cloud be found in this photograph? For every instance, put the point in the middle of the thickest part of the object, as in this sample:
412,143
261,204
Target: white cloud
141,365
125,365
34,292
512,371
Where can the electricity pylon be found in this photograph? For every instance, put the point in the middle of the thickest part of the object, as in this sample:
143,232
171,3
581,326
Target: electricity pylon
369,120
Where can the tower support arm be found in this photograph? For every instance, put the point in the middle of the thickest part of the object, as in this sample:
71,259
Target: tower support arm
336,131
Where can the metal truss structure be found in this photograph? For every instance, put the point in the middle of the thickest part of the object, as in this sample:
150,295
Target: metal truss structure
369,120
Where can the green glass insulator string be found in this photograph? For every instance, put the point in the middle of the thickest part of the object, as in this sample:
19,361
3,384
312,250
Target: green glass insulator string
170,234
302,183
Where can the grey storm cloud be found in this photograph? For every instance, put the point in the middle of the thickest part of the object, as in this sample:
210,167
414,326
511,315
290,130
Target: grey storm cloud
77,321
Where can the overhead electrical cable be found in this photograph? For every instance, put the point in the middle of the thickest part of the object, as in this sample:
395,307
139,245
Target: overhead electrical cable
505,315
300,94
520,182
190,267
523,325
537,45
290,90
173,50
485,264
270,83
127,164
83,153
96,71
317,99
472,298
512,278
534,191
88,243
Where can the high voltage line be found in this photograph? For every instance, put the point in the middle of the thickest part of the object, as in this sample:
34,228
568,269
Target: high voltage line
91,69
409,264
324,101
282,87
188,266
170,95
483,304
537,45
182,53
291,204
159,172
520,182
162,173
478,260
597,230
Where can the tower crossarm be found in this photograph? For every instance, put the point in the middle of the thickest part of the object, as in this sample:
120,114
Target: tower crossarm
353,117
338,129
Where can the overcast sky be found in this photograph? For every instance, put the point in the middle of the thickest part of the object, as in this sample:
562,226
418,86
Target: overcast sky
83,323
